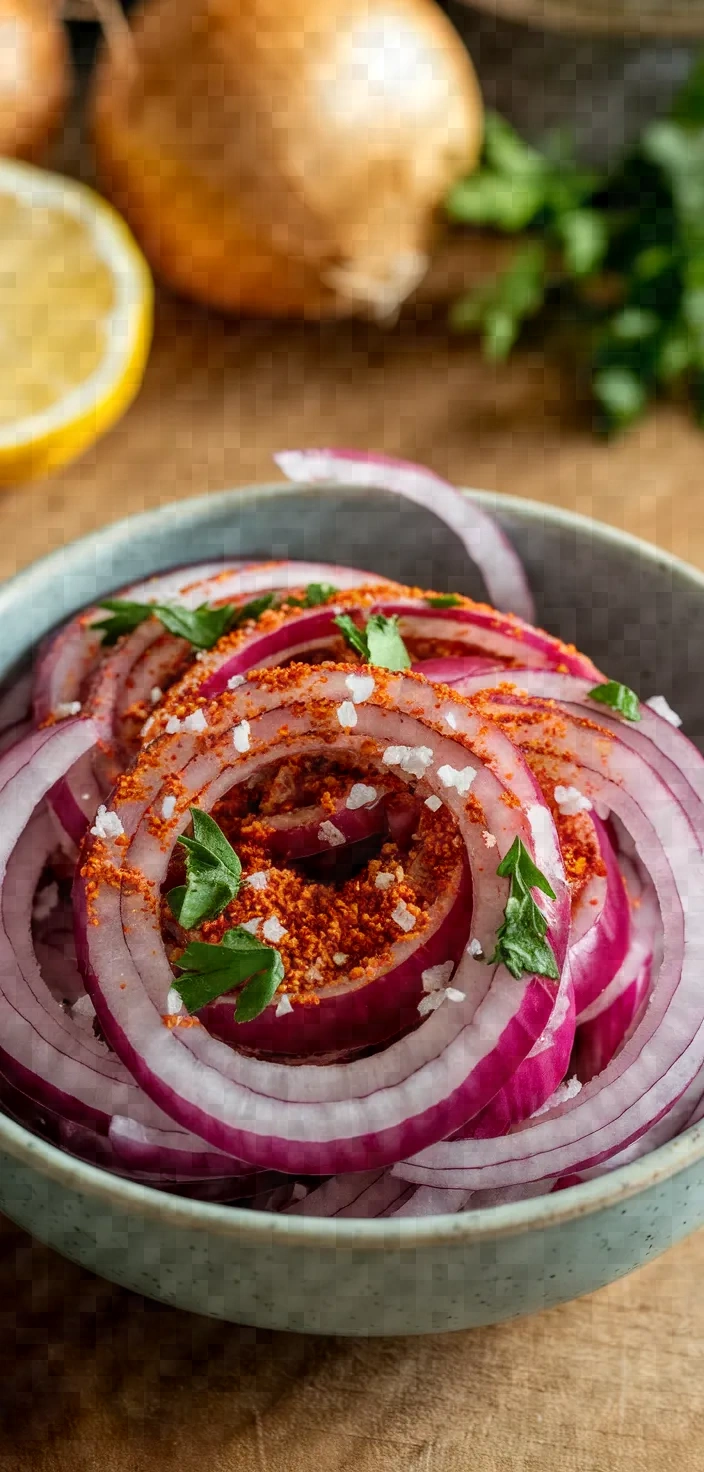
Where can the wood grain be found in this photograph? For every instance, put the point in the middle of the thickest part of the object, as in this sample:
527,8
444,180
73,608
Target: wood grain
93,1377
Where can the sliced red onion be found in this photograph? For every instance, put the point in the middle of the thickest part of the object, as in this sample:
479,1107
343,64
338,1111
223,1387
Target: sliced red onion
449,671
302,833
367,1194
502,637
666,1049
44,1053
679,763
537,1077
604,1026
69,656
431,1201
10,735
321,1120
597,953
351,1016
483,540
107,683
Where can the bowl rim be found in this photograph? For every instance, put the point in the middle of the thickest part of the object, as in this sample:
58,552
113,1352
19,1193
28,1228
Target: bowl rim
387,1234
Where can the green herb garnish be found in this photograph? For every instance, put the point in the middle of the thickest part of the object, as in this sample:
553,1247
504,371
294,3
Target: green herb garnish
209,971
444,600
202,626
125,618
520,941
355,637
213,873
250,612
613,260
317,593
619,698
379,642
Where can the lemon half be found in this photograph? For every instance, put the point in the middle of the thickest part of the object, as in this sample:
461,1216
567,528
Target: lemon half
76,302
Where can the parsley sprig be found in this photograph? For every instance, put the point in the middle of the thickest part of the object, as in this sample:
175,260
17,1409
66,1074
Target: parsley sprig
520,941
379,642
213,874
618,697
202,626
620,256
205,625
444,600
212,970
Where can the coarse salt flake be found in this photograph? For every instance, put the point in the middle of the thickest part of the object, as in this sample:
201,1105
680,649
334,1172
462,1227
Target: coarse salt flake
273,930
168,808
252,926
430,1002
489,839
173,725
314,972
403,917
235,681
195,722
328,833
384,879
340,958
240,736
476,949
360,796
437,976
433,802
258,880
568,1089
360,687
173,1004
414,760
454,994
571,801
155,694
450,717
107,825
283,1006
346,714
461,778
659,704
68,708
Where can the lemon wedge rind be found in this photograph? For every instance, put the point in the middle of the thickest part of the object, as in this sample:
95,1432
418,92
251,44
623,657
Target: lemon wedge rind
42,441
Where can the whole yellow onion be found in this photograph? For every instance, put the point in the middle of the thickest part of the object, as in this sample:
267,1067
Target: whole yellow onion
34,75
287,159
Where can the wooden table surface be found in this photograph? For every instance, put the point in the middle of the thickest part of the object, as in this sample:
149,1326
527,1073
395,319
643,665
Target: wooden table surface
94,1377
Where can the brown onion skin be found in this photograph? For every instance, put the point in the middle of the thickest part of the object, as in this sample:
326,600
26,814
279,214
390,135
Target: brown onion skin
239,157
35,76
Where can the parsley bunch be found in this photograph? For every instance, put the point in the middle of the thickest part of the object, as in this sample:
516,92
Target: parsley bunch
619,255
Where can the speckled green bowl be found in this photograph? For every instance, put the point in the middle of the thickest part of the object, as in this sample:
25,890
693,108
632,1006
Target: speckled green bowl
640,614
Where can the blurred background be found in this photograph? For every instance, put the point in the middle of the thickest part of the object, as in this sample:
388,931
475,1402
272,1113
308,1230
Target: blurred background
472,235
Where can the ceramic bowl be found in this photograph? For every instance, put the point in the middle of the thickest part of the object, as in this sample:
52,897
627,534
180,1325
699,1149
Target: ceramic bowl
640,614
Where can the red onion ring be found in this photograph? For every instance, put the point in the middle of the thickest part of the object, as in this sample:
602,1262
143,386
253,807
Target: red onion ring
482,538
301,1119
666,1049
44,1053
